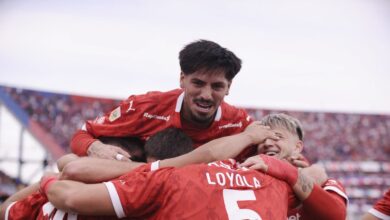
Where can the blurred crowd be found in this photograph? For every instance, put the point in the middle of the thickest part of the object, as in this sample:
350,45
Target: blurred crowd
59,114
8,186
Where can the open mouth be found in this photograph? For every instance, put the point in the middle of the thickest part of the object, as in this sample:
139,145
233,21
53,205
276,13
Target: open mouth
271,153
203,107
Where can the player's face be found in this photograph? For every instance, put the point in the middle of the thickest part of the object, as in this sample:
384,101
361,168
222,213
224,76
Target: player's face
288,144
204,92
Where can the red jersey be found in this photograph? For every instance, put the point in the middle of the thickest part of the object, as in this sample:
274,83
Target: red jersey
332,186
381,209
27,208
144,115
207,191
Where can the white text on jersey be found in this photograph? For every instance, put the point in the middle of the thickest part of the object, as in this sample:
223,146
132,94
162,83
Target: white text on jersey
232,180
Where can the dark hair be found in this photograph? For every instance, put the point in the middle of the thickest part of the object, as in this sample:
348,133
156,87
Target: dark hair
207,55
168,143
133,145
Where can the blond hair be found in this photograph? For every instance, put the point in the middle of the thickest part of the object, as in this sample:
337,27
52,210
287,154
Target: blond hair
287,122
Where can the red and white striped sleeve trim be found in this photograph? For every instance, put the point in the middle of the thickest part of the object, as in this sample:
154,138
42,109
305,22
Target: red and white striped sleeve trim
116,202
379,214
8,210
338,191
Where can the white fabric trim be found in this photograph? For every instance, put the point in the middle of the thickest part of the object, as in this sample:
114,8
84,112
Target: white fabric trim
84,127
8,209
155,165
338,191
379,214
218,116
116,202
179,102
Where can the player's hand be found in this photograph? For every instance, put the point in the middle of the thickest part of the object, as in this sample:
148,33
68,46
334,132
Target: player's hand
298,161
106,151
274,167
259,132
317,173
254,163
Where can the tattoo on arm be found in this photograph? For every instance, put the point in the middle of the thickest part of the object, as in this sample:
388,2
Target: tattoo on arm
305,182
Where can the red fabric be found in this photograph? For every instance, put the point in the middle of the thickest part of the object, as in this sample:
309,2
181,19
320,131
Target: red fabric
383,205
144,115
80,142
208,191
27,208
324,205
336,192
281,169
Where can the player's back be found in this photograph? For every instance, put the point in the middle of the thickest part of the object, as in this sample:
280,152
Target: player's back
221,191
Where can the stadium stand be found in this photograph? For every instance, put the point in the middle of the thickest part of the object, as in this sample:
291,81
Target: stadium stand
354,148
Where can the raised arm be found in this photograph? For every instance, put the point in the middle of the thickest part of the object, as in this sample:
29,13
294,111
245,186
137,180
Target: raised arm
95,170
223,148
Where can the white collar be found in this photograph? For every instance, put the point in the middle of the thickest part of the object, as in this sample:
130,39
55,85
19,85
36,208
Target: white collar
179,103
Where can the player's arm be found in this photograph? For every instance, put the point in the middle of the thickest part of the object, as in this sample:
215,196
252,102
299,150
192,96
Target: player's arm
21,194
316,201
94,170
76,197
381,209
124,120
223,148
369,216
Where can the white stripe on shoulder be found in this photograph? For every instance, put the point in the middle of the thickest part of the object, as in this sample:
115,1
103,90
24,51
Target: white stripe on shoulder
379,214
218,116
338,191
179,102
7,210
84,127
116,202
155,165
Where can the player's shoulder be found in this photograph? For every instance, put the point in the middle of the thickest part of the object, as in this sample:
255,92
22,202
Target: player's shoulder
158,94
231,111
153,99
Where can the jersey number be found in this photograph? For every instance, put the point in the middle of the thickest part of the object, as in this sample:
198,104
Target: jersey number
231,197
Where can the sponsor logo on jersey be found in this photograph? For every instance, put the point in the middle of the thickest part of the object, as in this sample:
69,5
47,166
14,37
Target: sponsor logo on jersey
297,216
115,114
231,125
159,117
130,107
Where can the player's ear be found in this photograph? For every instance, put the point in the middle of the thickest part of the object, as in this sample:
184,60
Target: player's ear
299,146
228,88
182,76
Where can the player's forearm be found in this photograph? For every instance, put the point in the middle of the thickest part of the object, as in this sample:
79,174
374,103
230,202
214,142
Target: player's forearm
23,193
95,170
64,160
304,186
76,197
219,149
323,205
369,216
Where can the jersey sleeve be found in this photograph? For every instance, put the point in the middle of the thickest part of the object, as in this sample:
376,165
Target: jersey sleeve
335,187
138,193
27,208
127,119
381,209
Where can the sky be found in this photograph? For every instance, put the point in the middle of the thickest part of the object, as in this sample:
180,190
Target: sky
315,55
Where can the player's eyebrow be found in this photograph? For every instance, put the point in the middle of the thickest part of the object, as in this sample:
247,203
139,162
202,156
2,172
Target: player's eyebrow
279,134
